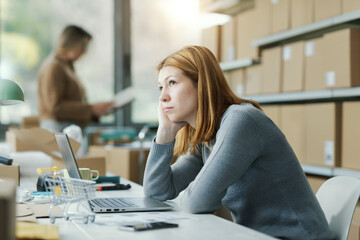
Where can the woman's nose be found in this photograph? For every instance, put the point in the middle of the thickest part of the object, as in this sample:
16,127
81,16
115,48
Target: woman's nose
164,97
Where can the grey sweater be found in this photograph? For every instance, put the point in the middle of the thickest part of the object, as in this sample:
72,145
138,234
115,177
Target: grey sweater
249,168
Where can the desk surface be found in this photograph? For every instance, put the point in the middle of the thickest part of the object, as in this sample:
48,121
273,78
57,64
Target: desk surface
192,226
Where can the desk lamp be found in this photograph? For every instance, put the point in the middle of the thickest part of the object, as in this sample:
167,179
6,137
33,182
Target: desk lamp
10,93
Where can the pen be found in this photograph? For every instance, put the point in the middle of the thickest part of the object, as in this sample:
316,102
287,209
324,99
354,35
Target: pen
114,187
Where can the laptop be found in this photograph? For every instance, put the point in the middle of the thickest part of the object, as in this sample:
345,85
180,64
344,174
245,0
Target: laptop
113,204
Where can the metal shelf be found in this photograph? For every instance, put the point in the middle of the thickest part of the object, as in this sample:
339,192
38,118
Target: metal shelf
306,96
329,171
232,65
310,28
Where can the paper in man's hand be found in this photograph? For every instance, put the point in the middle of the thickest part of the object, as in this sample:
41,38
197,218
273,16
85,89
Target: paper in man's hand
124,97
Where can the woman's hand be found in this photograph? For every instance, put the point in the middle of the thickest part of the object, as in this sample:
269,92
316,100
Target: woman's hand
167,130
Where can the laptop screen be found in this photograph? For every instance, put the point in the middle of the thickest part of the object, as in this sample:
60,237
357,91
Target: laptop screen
68,155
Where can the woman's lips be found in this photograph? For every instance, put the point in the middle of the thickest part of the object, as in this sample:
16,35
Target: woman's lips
167,109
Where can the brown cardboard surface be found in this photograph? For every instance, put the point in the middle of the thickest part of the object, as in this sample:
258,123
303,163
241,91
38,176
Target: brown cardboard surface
356,216
351,136
293,121
293,67
327,8
314,63
323,134
302,13
343,59
36,139
121,161
210,38
350,5
30,122
315,182
354,231
253,80
280,15
245,34
272,70
263,21
273,112
236,80
228,41
10,172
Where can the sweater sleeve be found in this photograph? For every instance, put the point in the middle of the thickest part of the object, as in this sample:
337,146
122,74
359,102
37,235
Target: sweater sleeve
237,146
163,181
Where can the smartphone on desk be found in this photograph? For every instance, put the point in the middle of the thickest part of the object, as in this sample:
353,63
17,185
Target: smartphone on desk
148,226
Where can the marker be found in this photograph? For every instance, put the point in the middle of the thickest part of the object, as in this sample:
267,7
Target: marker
114,187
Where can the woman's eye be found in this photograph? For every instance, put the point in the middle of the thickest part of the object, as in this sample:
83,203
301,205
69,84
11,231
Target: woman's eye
160,88
171,83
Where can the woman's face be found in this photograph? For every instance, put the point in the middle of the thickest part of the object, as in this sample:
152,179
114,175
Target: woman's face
178,96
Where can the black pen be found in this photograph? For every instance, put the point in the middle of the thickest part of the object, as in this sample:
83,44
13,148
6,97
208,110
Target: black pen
114,187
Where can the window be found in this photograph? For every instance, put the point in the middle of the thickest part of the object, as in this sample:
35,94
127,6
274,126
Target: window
158,28
30,29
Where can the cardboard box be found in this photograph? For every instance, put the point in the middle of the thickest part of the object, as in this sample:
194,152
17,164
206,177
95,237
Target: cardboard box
351,136
253,80
228,41
280,15
293,67
341,51
293,123
323,134
315,182
210,38
350,5
327,8
30,122
236,80
314,60
263,20
273,112
302,13
122,161
10,172
354,231
272,70
356,216
245,34
36,139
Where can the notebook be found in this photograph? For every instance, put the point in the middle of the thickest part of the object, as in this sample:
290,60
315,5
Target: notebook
102,205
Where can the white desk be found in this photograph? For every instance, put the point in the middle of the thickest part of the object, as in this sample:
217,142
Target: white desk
196,226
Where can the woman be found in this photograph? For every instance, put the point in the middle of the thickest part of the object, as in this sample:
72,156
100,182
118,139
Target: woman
230,153
62,97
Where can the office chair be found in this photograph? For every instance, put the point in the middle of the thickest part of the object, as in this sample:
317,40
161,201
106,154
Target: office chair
338,197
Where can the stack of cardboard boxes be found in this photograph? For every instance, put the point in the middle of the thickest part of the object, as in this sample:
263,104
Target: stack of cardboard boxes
38,139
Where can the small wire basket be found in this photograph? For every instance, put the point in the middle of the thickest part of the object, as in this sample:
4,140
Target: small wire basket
71,193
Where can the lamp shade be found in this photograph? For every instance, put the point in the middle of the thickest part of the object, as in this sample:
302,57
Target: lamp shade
10,92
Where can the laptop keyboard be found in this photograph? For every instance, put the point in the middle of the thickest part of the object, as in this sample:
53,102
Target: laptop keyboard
112,202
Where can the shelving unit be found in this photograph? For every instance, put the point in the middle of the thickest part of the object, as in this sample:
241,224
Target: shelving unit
330,94
302,31
329,171
237,64
329,23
